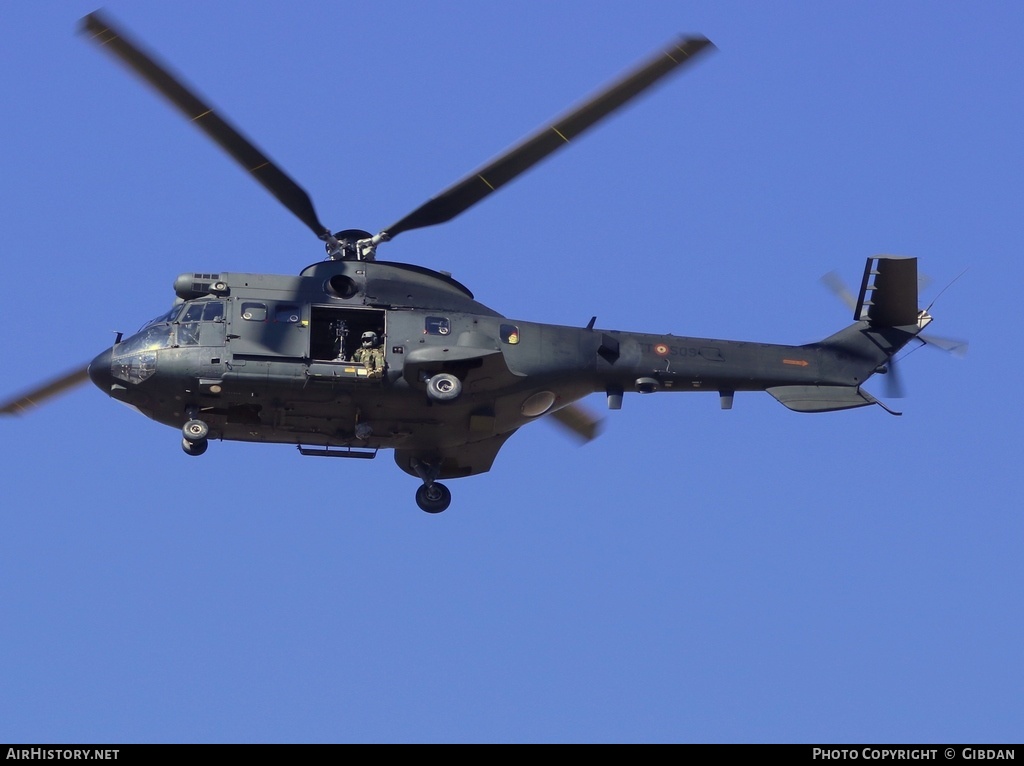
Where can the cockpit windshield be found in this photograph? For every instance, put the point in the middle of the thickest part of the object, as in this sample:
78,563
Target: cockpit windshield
152,338
167,316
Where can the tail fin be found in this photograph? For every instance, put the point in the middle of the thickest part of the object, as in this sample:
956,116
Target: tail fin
888,292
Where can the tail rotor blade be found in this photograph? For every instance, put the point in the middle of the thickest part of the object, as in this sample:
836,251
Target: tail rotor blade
894,382
954,346
835,283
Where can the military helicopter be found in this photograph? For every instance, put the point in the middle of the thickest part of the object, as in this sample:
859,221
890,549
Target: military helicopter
355,355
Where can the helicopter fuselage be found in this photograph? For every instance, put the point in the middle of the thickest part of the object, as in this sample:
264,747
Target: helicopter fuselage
268,358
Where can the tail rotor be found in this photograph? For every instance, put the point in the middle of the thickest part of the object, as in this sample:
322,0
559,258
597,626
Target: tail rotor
894,388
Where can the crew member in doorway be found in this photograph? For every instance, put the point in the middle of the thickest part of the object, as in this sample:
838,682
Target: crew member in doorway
370,355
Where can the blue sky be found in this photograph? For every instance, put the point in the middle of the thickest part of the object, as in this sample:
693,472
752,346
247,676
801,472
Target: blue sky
693,575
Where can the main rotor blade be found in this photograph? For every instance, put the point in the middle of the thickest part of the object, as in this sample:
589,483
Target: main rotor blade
473,188
37,396
275,180
578,420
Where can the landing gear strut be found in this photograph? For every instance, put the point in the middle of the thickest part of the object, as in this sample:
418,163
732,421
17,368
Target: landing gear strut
433,496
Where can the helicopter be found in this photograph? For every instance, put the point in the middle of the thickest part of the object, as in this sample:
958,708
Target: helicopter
355,355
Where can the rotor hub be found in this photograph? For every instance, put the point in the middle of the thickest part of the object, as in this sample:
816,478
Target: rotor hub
351,245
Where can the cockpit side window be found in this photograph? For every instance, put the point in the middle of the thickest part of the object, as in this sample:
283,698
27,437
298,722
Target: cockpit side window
190,327
213,311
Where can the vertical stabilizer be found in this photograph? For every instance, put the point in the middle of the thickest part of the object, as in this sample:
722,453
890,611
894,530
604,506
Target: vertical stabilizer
888,292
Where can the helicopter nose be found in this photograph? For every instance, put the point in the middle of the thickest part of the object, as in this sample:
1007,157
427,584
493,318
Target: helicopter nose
99,371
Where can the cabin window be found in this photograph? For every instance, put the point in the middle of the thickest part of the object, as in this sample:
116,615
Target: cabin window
287,314
254,312
437,326
509,334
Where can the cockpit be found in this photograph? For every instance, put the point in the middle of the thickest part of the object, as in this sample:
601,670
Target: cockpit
197,323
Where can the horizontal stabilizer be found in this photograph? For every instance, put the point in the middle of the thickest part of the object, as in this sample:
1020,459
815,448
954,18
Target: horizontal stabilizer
822,398
888,292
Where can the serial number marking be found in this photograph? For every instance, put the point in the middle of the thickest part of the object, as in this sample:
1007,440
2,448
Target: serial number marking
711,353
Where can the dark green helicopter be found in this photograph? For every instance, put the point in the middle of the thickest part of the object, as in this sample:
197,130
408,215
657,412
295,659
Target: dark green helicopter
355,355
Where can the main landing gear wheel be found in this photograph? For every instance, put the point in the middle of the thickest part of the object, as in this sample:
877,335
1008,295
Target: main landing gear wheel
433,497
194,434
195,449
195,430
444,387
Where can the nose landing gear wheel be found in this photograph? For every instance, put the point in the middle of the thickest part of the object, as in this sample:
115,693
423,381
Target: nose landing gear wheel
433,497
